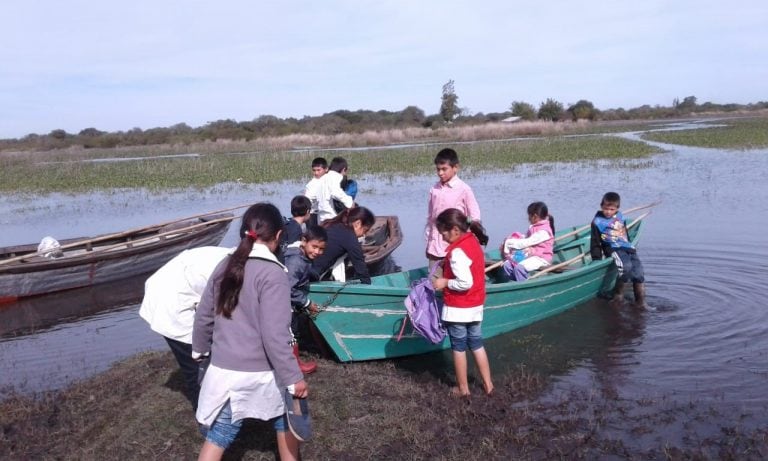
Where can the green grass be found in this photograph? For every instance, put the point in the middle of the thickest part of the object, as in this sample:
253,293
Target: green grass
65,171
747,133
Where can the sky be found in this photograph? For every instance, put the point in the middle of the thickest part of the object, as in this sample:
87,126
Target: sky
116,65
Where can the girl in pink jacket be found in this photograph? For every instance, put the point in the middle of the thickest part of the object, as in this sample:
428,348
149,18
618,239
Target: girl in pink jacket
533,251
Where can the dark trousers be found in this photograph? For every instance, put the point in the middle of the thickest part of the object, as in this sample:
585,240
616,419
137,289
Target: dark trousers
631,269
189,368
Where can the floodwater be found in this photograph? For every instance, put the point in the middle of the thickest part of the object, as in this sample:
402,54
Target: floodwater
704,249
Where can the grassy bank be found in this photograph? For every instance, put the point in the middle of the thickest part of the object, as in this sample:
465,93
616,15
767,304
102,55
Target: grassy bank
75,171
370,411
746,133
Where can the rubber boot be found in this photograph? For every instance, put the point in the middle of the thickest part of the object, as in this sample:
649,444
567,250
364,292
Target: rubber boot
307,367
618,293
639,289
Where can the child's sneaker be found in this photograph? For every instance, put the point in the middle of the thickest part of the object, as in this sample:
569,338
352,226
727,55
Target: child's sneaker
297,413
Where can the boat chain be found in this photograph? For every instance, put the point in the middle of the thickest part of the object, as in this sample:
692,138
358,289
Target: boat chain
324,306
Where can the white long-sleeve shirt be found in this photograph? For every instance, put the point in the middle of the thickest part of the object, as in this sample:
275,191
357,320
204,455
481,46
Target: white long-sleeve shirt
530,263
171,294
521,243
329,188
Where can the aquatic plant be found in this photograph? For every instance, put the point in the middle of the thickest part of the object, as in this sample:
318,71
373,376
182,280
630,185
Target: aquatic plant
77,172
738,133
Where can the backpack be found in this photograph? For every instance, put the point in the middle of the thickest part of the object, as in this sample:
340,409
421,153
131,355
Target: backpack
423,310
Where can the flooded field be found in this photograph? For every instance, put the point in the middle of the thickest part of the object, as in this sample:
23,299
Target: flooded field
704,249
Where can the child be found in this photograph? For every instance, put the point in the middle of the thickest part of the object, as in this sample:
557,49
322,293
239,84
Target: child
463,285
609,238
294,227
534,251
171,296
243,322
319,168
349,186
343,233
329,189
298,259
449,192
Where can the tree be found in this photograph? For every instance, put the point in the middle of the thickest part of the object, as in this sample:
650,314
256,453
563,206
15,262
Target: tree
449,107
91,133
411,116
58,134
523,110
688,104
583,110
551,110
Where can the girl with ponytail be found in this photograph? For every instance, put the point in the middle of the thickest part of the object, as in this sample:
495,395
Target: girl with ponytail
463,285
243,323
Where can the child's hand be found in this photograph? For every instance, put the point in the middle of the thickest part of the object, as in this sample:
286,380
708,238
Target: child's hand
440,283
300,389
313,308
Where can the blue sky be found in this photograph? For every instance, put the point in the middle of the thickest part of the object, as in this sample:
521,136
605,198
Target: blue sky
119,65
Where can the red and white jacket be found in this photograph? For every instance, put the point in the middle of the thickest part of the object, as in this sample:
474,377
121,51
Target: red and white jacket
457,294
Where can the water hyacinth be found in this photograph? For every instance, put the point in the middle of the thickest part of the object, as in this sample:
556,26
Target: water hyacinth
157,170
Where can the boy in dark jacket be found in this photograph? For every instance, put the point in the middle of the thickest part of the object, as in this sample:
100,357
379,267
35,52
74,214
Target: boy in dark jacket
298,259
294,227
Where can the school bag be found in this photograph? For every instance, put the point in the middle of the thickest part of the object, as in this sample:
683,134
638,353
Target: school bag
423,310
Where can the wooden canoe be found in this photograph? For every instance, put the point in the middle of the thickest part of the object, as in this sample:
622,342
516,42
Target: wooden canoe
90,261
362,322
382,239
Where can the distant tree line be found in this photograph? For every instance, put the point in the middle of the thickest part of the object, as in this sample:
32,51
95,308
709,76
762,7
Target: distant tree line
345,121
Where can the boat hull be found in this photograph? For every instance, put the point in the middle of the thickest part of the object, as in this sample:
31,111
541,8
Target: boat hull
363,322
35,278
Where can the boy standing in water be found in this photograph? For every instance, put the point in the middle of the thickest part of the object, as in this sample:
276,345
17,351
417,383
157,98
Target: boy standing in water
609,238
448,192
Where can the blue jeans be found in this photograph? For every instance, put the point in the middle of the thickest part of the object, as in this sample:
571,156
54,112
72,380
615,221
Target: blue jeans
223,431
465,335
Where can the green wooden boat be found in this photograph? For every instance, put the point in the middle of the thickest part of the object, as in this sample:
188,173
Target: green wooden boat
362,322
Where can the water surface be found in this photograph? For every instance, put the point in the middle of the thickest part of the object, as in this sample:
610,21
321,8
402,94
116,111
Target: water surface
704,250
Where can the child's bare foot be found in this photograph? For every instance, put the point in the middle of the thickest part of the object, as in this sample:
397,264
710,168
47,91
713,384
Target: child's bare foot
488,388
456,392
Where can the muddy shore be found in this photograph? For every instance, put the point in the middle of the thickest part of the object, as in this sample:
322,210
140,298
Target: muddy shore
375,410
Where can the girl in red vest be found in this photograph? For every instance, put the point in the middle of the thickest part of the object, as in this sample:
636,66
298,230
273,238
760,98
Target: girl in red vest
463,285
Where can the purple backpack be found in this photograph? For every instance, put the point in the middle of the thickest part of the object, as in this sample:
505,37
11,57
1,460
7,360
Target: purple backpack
423,310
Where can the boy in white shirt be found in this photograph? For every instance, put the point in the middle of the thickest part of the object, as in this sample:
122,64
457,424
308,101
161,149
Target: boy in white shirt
319,168
329,188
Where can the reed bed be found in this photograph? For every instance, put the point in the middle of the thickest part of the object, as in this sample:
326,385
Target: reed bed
63,171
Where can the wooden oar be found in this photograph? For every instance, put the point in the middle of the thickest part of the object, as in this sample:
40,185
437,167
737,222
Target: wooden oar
582,255
638,219
131,242
558,266
631,210
583,228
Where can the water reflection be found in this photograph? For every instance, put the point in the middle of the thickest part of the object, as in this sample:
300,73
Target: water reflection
39,313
